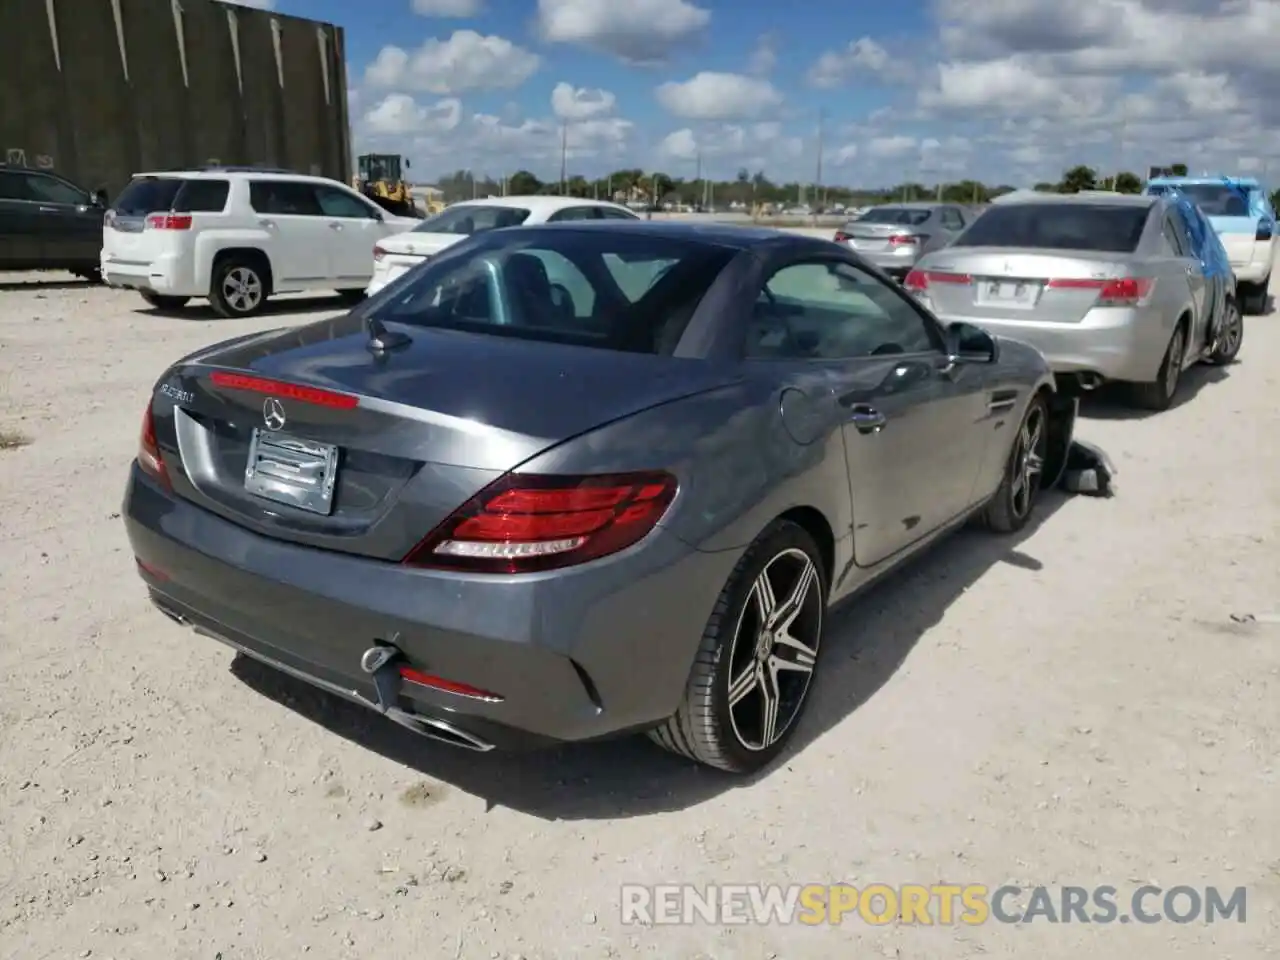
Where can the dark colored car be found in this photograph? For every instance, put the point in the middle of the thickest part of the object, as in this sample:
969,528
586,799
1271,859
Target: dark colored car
49,223
569,481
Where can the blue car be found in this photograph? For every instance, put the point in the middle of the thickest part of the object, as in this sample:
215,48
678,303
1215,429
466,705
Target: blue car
1240,211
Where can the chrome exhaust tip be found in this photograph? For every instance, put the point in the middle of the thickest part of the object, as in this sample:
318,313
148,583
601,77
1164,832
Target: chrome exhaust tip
1089,381
439,730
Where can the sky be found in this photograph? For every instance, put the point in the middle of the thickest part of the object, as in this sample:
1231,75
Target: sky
1003,91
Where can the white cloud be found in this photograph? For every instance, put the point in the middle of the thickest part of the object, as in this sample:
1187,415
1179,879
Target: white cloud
764,58
719,96
892,147
581,103
399,115
466,61
448,8
863,56
635,31
725,148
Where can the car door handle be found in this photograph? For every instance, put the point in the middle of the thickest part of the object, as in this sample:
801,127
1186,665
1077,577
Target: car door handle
335,226
268,224
866,418
48,209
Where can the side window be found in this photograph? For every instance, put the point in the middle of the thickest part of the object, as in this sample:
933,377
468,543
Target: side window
827,310
608,213
284,198
952,220
574,213
13,186
50,190
202,196
1173,237
562,273
339,203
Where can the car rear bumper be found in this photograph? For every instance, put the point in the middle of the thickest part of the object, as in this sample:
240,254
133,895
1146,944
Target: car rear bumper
1254,271
1115,344
160,276
593,652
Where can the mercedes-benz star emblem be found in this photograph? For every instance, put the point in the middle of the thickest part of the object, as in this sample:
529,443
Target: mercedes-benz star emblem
273,413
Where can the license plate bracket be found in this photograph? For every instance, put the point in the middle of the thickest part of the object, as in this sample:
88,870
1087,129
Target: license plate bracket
1012,293
290,470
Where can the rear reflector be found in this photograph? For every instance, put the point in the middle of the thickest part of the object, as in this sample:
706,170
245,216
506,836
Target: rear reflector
1121,292
410,675
921,279
169,221
901,241
285,391
841,236
149,459
525,523
378,253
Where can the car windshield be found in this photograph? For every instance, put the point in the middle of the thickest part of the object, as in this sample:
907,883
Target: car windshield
905,216
1058,226
1216,199
472,218
613,290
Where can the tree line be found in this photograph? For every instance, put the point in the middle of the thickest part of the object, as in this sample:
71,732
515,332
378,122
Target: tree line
754,189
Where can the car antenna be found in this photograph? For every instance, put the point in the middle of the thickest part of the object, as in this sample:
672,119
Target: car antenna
382,340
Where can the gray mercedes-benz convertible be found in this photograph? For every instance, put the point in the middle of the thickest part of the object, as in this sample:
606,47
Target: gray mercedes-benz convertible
572,481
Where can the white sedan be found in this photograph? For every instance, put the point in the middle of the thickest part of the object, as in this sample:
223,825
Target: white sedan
394,256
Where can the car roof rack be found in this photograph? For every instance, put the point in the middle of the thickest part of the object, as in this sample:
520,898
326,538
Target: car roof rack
241,168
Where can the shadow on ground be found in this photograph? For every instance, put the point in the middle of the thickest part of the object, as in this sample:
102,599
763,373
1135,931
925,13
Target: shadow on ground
1110,402
867,640
200,312
41,286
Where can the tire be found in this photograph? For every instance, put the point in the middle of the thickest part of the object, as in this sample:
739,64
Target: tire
91,275
1159,395
351,296
734,737
162,302
238,288
1015,500
1255,295
1230,337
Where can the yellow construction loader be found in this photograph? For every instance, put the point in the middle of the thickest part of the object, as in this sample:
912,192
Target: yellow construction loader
379,177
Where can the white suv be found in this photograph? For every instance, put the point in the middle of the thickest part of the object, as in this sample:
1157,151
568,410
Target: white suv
239,235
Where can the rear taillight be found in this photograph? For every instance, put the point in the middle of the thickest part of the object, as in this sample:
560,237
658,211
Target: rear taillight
526,523
149,458
921,279
378,253
841,236
431,681
897,240
169,221
1265,232
1121,292
284,391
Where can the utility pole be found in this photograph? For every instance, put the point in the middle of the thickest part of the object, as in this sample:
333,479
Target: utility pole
564,159
697,174
817,180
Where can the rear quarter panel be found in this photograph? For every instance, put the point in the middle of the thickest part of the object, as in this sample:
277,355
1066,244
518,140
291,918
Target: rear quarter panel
737,465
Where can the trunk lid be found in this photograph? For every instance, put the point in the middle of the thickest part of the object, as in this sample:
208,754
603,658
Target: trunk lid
1014,284
880,237
411,437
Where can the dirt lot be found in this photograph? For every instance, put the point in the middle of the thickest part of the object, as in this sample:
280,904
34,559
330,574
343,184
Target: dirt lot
1077,706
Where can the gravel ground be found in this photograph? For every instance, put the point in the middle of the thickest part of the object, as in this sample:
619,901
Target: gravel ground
1077,705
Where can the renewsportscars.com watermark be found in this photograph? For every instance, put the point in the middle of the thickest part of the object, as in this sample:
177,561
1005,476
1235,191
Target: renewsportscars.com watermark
926,904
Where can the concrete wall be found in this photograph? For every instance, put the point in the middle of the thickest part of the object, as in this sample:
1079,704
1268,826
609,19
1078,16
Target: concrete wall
100,89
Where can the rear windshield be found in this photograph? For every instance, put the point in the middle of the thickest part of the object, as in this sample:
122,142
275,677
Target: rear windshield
1216,200
150,194
467,220
1057,226
905,216
616,291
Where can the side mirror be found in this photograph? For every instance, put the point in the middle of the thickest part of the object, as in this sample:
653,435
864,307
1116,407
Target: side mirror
971,344
99,198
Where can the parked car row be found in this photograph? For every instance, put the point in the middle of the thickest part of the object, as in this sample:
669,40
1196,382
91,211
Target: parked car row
1109,287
